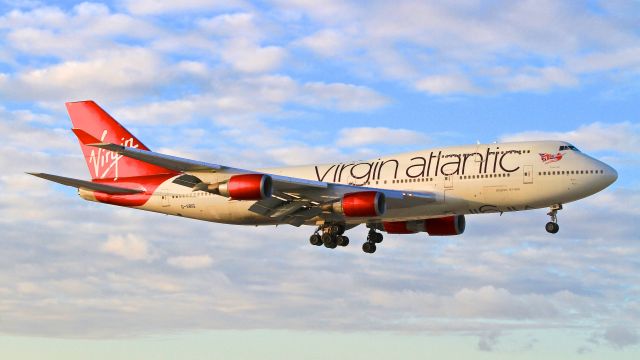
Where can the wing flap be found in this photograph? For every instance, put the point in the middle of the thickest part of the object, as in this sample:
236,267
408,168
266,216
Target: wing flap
88,185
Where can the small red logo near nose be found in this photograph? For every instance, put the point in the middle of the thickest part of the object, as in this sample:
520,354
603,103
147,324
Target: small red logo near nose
549,158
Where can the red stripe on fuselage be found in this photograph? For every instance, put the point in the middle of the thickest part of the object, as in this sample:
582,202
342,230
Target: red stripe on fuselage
148,183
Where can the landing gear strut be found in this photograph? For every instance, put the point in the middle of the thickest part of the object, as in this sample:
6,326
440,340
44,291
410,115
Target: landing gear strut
373,238
329,235
552,226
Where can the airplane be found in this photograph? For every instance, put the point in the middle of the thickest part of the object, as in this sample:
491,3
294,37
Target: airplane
423,191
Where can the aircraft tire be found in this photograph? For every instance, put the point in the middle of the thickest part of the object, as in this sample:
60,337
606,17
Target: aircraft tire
369,247
315,240
552,227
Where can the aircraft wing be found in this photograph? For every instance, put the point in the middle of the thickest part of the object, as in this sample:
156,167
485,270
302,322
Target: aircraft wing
301,204
294,200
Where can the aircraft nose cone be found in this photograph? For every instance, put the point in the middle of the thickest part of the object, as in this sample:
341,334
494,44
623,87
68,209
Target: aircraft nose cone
610,175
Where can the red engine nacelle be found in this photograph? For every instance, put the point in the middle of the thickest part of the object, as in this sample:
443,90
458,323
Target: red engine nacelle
247,187
401,227
361,204
449,225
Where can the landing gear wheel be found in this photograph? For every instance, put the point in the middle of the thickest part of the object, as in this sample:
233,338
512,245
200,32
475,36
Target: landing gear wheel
329,235
552,227
369,247
342,240
315,239
374,237
329,241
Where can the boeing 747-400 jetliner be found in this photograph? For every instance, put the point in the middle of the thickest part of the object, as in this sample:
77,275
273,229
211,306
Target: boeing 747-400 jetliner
424,191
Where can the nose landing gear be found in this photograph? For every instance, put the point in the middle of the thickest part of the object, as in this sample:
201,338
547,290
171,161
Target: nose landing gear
552,226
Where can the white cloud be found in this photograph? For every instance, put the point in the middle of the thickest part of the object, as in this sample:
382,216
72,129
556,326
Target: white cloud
621,59
129,246
487,342
247,57
190,262
237,25
27,288
344,97
621,336
541,79
153,7
362,136
622,137
303,154
408,40
48,31
251,98
166,112
445,84
327,42
499,275
105,75
328,10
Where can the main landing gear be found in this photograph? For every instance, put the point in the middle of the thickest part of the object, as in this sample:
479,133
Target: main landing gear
552,226
373,238
330,235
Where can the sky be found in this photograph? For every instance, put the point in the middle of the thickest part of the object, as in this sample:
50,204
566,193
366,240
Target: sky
289,82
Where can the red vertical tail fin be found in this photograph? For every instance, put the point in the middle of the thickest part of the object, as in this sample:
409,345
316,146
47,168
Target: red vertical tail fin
91,119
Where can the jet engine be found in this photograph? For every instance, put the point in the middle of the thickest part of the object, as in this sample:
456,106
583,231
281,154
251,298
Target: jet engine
448,225
361,204
241,187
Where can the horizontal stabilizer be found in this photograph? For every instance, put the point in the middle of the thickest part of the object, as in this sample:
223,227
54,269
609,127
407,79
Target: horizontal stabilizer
84,137
88,185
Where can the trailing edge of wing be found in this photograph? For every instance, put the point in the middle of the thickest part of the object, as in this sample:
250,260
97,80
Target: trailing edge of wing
285,183
89,185
166,161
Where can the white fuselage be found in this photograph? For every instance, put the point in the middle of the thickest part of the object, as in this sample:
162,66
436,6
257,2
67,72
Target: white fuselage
470,179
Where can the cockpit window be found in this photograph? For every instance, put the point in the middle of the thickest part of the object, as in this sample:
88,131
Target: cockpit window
569,147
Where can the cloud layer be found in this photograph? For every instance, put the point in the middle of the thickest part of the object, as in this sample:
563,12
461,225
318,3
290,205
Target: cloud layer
294,82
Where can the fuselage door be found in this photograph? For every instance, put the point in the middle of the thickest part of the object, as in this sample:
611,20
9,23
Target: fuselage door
164,195
527,173
448,181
